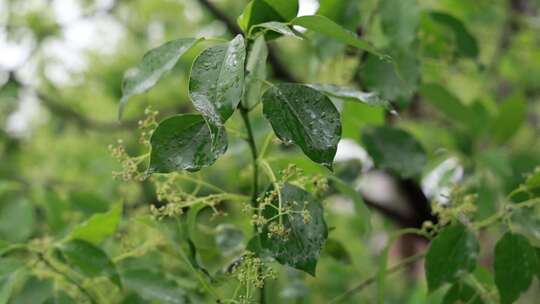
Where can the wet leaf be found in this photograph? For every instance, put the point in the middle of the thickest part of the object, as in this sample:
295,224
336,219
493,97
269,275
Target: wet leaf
306,117
256,73
329,28
184,142
515,264
90,260
228,238
152,67
99,226
453,253
395,150
216,81
305,239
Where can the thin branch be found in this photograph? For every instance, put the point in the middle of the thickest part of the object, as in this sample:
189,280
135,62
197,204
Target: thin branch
367,282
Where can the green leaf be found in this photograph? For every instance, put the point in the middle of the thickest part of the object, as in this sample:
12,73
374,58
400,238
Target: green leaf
462,293
360,206
399,20
466,44
512,114
337,251
11,274
216,80
256,73
304,116
99,226
525,221
448,104
185,142
278,27
305,239
395,150
153,66
35,291
348,93
90,260
514,266
17,220
261,11
329,28
452,254
153,286
392,80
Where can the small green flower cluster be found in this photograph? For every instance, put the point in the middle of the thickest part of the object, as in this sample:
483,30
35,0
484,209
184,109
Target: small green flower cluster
251,271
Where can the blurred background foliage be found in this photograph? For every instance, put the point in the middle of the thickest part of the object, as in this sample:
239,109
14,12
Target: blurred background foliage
466,84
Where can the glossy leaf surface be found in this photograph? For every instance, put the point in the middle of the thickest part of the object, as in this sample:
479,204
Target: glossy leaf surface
306,117
305,240
217,79
152,67
349,93
154,286
185,142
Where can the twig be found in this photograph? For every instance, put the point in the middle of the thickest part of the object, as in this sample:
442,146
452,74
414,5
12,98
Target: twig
367,282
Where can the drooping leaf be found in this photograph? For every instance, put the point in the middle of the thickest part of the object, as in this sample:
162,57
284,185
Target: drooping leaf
153,286
512,114
466,44
90,260
152,67
348,93
399,20
395,150
256,73
306,235
185,142
278,27
261,11
360,207
329,28
337,251
216,80
448,104
99,226
305,117
452,254
392,80
514,265
462,293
